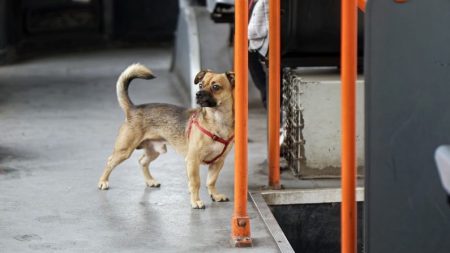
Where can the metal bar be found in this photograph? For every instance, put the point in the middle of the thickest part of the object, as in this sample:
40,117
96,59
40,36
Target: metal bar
271,223
274,94
240,222
348,169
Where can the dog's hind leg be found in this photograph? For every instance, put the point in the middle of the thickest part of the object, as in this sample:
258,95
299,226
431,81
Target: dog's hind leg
151,153
213,174
126,143
115,159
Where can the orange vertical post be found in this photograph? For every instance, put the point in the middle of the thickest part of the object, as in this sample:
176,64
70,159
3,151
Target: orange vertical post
240,222
274,94
348,169
362,5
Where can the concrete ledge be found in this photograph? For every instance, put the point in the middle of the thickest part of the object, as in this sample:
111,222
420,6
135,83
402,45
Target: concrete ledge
186,56
200,44
307,196
312,104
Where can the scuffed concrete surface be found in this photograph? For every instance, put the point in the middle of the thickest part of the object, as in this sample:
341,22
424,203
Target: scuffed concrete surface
58,120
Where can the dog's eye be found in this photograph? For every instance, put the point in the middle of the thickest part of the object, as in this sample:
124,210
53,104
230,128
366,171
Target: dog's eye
216,87
200,85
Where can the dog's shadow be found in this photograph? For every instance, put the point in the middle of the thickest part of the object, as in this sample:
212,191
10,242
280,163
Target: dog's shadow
116,216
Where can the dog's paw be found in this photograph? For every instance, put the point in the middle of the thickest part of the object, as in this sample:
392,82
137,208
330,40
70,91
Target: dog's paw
219,198
198,204
152,183
103,185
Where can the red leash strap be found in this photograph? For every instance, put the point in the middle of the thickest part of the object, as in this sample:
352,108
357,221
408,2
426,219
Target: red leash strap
214,137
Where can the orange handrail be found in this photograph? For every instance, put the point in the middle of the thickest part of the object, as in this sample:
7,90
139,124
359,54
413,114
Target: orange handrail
274,94
348,169
240,222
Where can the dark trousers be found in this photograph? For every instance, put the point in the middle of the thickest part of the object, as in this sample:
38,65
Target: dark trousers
258,75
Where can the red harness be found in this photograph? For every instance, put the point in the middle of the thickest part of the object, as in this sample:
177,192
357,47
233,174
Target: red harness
194,121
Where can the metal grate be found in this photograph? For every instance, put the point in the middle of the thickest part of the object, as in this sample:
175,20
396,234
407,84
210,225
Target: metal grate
271,223
293,148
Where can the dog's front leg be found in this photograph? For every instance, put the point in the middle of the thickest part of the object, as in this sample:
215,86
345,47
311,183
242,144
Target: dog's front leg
193,171
213,174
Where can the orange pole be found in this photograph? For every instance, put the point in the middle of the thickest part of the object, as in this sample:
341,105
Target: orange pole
274,94
348,169
362,5
240,222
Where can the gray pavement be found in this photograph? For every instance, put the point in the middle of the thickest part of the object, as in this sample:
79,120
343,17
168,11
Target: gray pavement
58,121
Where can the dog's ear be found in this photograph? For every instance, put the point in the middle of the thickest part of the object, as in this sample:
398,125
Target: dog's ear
231,77
200,75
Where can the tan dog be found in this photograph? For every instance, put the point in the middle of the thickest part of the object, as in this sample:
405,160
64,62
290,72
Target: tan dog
201,135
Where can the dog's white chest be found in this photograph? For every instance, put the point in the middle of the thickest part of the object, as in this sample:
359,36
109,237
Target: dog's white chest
215,149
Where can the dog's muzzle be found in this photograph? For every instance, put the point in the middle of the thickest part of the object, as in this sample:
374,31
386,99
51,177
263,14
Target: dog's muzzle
205,99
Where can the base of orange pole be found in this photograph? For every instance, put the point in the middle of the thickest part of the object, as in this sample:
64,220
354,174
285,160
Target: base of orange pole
276,187
273,187
240,232
241,242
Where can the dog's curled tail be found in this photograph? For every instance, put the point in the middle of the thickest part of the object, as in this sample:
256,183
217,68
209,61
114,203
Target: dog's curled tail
133,71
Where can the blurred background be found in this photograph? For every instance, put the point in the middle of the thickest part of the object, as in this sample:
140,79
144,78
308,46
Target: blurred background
32,28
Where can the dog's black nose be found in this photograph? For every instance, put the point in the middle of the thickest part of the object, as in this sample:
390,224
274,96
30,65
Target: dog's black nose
205,99
201,94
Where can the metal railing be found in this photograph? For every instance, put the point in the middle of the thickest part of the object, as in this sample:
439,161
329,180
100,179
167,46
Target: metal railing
240,221
274,95
349,22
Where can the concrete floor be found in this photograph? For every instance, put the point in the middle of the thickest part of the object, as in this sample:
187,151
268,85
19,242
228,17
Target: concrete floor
59,118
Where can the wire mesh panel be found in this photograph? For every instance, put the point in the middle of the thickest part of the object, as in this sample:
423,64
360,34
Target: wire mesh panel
293,145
